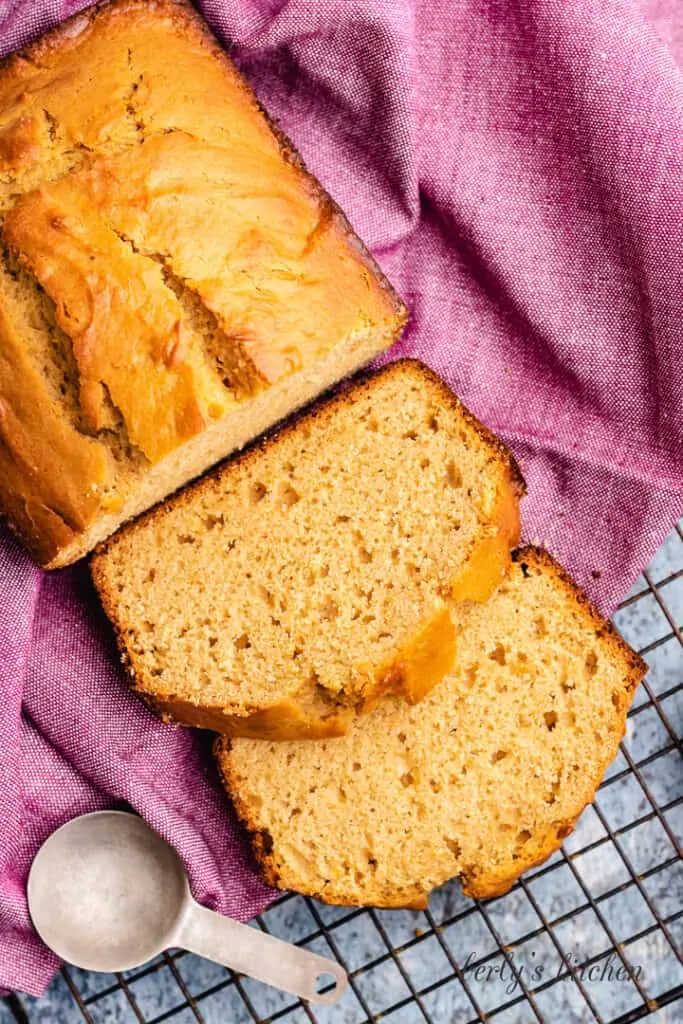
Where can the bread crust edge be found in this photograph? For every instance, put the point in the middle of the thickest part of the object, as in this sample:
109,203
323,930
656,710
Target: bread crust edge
286,720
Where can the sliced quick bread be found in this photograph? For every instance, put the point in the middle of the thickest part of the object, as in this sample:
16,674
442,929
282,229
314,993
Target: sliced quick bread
482,779
291,588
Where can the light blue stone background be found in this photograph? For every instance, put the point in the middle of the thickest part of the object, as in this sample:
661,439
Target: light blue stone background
575,891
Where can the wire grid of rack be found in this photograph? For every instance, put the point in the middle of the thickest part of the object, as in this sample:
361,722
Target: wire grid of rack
616,889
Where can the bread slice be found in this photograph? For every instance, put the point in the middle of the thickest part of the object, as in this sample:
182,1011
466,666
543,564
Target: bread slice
172,280
483,779
291,588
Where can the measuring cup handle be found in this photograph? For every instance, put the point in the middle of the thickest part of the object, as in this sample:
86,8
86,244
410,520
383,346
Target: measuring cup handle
259,955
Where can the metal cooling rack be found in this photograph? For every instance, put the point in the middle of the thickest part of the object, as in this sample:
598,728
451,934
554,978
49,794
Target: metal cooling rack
597,931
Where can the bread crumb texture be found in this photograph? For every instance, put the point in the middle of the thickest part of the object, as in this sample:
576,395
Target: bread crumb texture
482,780
165,259
291,588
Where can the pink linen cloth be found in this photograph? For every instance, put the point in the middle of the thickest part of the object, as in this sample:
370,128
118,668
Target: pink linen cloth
518,171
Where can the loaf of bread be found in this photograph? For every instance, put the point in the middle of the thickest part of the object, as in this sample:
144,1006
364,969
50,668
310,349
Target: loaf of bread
172,280
482,779
283,594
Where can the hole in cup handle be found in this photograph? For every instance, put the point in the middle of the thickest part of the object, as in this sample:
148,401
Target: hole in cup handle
323,981
328,984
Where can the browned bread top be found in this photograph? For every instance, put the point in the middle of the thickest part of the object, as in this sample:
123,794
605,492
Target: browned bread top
167,259
292,587
483,779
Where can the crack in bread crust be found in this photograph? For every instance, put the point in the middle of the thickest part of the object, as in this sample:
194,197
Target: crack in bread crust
55,134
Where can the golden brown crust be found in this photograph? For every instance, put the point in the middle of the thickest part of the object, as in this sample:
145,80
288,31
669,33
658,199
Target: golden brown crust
285,720
36,527
262,847
530,555
182,13
52,540
420,664
488,886
415,669
293,156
